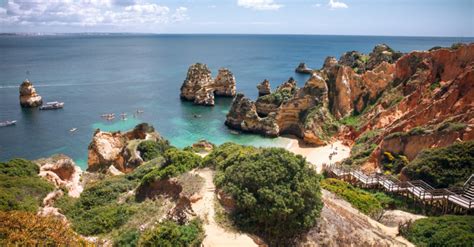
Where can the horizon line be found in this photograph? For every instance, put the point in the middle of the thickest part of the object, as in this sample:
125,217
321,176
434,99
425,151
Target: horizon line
262,34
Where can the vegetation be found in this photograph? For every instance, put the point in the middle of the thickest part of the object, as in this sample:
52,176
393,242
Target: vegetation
19,228
19,168
352,121
363,147
394,163
415,131
443,167
278,97
97,210
322,117
228,154
277,195
170,234
152,149
448,230
360,199
20,186
451,126
177,162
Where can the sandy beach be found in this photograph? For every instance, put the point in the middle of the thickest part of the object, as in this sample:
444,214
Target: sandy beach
318,156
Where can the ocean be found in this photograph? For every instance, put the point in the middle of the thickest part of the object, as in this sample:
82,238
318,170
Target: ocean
97,74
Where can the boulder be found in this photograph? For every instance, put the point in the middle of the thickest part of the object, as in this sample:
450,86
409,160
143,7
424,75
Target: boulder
28,95
224,85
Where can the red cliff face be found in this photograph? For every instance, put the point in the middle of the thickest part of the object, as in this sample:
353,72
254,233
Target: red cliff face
432,107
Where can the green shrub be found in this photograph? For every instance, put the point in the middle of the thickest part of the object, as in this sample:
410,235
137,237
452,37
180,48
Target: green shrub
451,126
360,199
19,168
170,234
394,163
177,162
277,194
448,230
228,154
151,149
443,167
97,210
127,238
353,121
22,193
278,97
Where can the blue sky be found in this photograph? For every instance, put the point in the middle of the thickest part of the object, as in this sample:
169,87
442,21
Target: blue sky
342,17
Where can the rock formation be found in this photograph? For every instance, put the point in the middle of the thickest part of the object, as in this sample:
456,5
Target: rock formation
264,88
118,149
28,95
303,69
61,171
389,95
200,88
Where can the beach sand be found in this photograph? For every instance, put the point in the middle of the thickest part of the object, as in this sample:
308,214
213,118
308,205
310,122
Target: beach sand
318,156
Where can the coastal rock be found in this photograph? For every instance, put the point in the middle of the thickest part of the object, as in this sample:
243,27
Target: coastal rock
200,88
224,85
28,95
118,149
429,104
382,53
203,145
303,69
243,116
61,171
264,88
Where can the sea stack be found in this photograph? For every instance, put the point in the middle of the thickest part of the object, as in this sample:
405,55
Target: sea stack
303,69
200,87
28,95
264,88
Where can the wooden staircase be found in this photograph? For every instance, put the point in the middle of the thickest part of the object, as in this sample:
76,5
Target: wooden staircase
461,199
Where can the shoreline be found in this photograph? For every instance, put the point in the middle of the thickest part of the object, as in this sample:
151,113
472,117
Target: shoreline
318,156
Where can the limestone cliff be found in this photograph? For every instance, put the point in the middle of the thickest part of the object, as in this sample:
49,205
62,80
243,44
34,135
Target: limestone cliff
28,95
200,88
384,102
118,149
264,88
61,171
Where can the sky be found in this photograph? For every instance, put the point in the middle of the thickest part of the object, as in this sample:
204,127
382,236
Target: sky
453,18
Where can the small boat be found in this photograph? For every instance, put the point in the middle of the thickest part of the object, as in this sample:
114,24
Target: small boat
52,105
7,123
73,129
197,116
234,132
140,111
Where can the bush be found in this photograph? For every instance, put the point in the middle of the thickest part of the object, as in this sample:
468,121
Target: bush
19,228
170,234
360,199
127,238
97,210
394,163
19,168
448,230
22,193
278,97
20,186
177,162
443,167
228,154
151,149
277,194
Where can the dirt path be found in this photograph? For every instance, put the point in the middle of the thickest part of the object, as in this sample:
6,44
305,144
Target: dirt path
215,235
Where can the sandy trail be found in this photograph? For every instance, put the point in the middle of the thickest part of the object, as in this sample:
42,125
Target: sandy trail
215,235
320,155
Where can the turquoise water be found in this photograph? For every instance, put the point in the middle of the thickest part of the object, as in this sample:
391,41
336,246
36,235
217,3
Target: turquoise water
94,75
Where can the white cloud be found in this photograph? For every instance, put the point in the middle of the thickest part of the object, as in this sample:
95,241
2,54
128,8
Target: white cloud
317,5
334,4
88,13
259,4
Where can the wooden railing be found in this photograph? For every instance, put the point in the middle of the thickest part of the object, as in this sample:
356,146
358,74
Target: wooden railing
419,189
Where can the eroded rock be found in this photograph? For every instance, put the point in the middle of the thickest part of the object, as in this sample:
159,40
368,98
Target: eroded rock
61,171
200,88
28,95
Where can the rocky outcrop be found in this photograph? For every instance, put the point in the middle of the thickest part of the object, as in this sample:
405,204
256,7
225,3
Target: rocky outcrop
200,88
427,104
28,95
264,88
61,171
303,69
203,146
116,149
301,113
243,116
